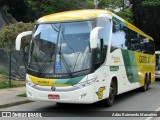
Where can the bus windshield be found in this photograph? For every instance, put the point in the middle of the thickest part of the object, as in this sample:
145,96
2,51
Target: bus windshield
157,61
61,47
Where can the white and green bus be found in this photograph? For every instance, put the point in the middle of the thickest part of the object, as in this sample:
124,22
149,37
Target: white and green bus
85,56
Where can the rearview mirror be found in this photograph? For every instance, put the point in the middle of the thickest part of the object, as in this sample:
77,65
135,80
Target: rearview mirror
95,36
19,37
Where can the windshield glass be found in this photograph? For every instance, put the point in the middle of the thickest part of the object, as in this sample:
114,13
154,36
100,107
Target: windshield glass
61,47
157,61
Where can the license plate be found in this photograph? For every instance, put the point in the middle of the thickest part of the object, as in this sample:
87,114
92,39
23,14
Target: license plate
51,96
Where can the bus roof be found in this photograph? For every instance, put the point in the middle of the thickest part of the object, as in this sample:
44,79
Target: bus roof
73,15
86,15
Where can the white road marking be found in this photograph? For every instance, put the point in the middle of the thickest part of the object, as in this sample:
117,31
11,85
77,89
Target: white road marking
158,118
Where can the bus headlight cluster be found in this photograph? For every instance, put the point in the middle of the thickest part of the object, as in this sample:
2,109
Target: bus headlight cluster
84,84
28,82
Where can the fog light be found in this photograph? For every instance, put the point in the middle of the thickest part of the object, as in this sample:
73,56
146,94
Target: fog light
82,96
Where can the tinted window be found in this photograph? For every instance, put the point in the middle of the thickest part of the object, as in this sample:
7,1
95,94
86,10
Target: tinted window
118,36
124,38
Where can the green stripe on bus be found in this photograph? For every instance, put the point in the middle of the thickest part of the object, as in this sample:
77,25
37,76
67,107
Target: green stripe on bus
71,81
130,66
120,22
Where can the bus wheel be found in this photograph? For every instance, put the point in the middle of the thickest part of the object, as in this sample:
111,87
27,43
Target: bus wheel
146,84
149,83
110,100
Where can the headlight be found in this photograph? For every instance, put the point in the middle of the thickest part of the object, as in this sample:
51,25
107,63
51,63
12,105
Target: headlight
84,84
29,82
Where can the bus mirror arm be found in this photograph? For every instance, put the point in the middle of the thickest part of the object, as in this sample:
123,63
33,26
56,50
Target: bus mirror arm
95,36
19,38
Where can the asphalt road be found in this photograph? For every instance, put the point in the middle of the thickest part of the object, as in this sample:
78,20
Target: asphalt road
130,101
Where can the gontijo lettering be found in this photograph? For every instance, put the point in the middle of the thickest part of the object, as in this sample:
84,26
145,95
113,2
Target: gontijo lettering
144,59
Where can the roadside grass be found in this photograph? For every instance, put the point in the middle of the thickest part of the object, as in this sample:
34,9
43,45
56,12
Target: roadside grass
4,81
22,95
14,83
3,70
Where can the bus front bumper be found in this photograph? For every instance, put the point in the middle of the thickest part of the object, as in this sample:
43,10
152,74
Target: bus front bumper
82,95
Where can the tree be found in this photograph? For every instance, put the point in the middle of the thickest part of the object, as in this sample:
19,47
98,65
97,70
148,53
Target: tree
127,14
9,33
16,8
115,4
31,10
146,17
45,7
119,7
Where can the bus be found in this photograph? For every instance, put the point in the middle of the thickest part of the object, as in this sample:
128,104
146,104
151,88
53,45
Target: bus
86,56
157,74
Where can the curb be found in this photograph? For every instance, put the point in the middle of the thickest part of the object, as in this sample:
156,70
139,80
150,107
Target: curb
14,104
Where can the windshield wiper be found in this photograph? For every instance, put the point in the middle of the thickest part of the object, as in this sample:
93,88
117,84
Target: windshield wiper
64,61
56,28
71,49
76,61
66,64
46,61
67,43
61,55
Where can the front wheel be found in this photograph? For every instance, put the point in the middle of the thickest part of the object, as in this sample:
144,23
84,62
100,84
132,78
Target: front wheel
112,92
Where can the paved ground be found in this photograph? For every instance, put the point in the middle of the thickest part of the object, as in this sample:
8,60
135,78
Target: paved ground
130,101
8,97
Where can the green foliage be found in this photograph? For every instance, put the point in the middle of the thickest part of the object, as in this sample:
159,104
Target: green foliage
111,4
22,95
9,33
151,3
31,10
3,71
119,8
146,17
51,6
126,14
5,84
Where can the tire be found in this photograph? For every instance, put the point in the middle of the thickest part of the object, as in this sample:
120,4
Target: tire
149,81
146,84
110,100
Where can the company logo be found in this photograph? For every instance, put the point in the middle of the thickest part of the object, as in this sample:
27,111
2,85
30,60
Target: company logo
144,59
6,114
100,92
53,88
116,59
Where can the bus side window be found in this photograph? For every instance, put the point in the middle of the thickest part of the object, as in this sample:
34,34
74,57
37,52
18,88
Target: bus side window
118,36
